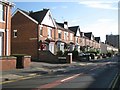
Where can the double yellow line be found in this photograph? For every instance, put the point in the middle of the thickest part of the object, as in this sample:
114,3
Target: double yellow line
114,81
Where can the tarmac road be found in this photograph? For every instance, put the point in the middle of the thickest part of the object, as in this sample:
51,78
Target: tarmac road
99,74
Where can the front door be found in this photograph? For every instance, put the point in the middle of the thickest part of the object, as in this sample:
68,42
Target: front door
51,47
1,43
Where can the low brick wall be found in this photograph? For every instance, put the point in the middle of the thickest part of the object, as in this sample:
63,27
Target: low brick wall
7,63
26,61
47,56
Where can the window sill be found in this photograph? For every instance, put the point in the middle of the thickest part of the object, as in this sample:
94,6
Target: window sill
41,36
15,37
2,21
50,37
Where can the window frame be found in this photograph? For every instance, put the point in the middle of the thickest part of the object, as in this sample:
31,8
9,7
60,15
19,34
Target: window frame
15,33
41,31
60,37
1,13
49,32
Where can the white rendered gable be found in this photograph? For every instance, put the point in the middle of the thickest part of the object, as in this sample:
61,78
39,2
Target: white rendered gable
78,33
48,20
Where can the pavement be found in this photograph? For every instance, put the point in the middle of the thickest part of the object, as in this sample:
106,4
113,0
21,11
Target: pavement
37,68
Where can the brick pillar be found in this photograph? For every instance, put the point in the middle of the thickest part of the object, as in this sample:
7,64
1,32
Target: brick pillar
69,58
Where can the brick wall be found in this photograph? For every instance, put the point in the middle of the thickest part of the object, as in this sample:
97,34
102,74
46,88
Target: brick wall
47,56
7,63
27,61
3,26
26,41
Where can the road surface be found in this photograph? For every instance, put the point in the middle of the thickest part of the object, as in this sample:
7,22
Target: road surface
95,74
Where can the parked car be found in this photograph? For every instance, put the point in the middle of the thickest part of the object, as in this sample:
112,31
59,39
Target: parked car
84,56
104,56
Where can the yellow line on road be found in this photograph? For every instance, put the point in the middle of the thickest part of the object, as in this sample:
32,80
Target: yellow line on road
113,82
22,78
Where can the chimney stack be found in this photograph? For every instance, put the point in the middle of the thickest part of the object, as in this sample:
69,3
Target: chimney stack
66,25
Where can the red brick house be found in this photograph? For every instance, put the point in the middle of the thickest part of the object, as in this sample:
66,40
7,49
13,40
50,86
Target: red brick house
32,32
77,41
5,28
97,44
90,40
92,43
66,42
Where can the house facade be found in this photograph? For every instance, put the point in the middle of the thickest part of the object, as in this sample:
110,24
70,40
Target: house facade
105,48
77,40
97,43
32,32
67,40
5,28
89,40
112,40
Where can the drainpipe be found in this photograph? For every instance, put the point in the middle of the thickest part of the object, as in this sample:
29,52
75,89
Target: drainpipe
6,31
38,41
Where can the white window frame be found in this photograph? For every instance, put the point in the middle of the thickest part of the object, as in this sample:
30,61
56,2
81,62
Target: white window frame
77,40
59,32
65,35
41,29
49,32
14,33
71,36
1,13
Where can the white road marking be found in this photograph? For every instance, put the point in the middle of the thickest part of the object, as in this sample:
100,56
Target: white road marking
71,77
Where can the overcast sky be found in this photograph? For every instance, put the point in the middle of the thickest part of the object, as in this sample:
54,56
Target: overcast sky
97,16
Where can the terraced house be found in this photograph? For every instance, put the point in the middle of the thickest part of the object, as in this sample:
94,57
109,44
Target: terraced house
64,37
37,33
5,27
32,32
68,37
77,41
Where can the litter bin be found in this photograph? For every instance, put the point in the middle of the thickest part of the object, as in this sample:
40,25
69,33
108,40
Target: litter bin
69,58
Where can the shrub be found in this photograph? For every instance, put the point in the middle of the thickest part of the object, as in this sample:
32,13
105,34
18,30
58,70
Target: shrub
108,54
75,54
65,53
59,53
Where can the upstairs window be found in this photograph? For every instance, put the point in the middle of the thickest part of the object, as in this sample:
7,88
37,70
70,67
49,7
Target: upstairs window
49,32
15,33
1,12
66,35
59,35
41,31
76,39
71,36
